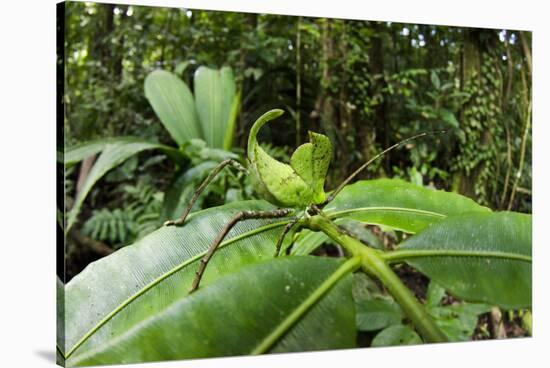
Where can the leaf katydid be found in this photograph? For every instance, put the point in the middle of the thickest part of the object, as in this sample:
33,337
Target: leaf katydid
296,187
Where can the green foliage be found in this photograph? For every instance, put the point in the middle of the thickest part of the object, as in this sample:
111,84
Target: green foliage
114,227
119,227
162,263
364,85
304,318
376,314
210,115
112,155
187,120
115,324
174,105
396,335
481,257
399,205
458,320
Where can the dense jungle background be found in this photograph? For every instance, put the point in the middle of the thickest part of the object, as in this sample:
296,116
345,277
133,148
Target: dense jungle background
365,84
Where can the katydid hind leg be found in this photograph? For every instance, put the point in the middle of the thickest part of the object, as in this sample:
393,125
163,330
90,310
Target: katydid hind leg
238,217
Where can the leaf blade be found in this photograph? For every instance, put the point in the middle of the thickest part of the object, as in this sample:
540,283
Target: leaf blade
112,155
477,257
215,93
174,105
193,327
398,204
164,260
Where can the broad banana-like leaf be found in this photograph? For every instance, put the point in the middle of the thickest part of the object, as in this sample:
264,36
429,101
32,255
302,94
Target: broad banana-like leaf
308,307
215,99
480,257
113,154
118,292
174,105
391,203
397,204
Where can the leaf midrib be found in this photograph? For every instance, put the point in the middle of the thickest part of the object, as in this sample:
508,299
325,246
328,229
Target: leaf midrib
162,277
268,341
383,208
405,254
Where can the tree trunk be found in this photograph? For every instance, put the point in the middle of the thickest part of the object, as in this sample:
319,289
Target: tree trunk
376,63
470,67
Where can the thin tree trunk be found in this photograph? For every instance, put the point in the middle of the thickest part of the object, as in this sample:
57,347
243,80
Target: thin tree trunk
470,68
526,52
298,82
376,57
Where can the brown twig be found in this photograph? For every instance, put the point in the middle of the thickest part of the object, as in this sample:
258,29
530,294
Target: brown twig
85,168
96,246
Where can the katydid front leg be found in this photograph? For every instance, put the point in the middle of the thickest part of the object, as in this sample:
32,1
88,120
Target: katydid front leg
203,186
283,234
240,216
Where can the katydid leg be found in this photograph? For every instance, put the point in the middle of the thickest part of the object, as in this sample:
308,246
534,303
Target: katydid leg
240,216
202,187
285,231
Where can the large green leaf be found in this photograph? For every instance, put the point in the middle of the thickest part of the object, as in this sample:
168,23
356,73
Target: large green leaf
215,94
174,105
483,257
398,204
309,308
113,154
120,291
80,151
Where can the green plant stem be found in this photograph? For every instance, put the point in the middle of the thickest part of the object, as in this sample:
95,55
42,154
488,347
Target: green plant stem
373,263
343,270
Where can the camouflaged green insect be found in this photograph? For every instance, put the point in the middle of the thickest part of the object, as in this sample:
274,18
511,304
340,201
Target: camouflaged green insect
296,185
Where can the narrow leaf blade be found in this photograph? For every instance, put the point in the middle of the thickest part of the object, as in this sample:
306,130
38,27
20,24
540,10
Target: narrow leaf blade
174,105
112,155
